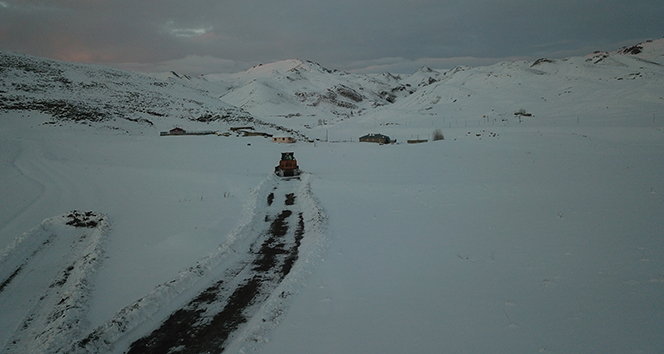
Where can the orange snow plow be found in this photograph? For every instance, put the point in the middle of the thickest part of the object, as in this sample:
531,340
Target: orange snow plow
287,166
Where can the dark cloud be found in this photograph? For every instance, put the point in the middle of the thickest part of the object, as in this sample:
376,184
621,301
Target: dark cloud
229,34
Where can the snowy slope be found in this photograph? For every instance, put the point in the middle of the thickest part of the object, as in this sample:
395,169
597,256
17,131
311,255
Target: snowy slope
301,92
534,232
113,99
307,97
553,90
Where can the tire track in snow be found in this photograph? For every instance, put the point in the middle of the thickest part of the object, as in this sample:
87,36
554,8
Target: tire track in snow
235,296
46,276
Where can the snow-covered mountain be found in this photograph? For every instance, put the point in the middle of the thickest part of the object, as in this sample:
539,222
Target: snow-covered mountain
305,90
109,98
298,93
534,225
301,94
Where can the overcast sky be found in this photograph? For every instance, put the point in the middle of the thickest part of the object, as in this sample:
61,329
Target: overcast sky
206,36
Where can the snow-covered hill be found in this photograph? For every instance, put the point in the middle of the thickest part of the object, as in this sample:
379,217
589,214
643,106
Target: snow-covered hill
499,90
302,95
112,99
299,93
535,225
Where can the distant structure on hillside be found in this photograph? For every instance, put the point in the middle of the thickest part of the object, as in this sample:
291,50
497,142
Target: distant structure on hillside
375,138
416,141
174,131
283,139
180,131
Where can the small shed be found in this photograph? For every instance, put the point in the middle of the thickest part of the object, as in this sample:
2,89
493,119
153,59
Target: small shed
283,139
375,138
177,131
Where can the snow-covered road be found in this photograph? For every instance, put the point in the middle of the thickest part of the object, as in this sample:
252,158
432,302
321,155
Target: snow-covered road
226,299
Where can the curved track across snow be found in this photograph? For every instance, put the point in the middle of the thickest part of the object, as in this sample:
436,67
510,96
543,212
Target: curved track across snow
231,298
46,278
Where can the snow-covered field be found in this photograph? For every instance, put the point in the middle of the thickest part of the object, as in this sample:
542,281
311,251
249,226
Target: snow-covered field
514,234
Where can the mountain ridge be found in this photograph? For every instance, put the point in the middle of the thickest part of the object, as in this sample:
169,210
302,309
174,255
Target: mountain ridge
294,95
